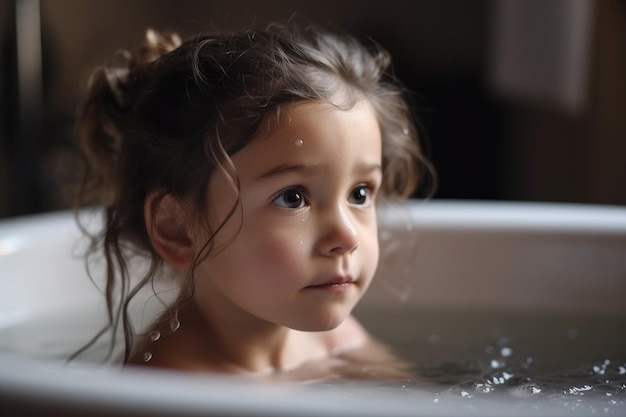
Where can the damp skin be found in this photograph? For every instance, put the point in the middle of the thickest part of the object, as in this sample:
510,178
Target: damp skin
299,253
342,154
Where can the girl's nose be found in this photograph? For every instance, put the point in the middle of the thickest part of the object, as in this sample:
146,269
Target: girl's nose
340,235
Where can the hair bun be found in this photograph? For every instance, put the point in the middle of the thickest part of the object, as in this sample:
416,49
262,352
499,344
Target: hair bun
155,45
108,107
119,77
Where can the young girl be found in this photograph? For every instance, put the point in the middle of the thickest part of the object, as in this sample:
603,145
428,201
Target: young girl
251,165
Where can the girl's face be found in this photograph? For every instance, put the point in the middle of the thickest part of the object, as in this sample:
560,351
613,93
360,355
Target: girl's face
307,246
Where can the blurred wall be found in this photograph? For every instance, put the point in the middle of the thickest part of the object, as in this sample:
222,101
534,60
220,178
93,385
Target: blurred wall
560,155
485,145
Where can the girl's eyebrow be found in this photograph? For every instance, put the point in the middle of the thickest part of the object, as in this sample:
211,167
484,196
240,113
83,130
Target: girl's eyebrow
281,170
285,169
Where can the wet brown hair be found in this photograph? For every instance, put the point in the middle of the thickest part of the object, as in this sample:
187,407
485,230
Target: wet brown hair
171,113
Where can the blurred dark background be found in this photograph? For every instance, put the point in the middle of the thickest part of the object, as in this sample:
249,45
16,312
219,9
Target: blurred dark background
519,99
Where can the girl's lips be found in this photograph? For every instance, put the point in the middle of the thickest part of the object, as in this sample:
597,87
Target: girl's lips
337,284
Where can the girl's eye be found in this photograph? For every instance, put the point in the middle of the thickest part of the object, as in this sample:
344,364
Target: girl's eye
293,198
360,195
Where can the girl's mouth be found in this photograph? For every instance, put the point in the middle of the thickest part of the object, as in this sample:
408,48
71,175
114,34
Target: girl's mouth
336,284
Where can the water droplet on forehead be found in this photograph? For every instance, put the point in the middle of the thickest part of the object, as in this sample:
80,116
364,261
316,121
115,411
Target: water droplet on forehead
299,142
147,356
155,335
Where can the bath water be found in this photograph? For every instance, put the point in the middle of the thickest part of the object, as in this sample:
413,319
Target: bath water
527,360
524,360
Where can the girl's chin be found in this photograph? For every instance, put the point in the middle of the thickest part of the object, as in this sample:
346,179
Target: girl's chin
323,325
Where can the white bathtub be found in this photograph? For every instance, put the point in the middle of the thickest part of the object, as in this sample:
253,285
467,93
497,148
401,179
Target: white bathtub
450,271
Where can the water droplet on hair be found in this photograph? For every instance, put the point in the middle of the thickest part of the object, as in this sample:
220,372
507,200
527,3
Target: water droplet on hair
506,352
174,324
155,335
147,356
299,142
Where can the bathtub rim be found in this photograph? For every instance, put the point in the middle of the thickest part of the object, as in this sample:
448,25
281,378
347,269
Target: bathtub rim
436,213
140,392
21,379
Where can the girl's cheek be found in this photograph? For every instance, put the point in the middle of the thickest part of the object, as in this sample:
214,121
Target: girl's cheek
279,252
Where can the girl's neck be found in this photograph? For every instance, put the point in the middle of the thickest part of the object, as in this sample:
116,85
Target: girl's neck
220,341
244,344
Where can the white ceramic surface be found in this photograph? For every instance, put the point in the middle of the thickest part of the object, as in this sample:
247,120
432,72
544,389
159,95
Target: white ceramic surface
524,257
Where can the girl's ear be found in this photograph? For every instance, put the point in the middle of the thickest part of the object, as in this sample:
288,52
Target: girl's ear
168,224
